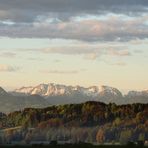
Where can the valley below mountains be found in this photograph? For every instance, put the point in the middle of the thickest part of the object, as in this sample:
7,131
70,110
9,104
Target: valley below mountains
45,95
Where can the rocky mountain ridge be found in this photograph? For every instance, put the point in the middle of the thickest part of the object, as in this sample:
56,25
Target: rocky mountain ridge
55,94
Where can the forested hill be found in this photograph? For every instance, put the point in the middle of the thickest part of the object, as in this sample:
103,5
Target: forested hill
90,121
85,114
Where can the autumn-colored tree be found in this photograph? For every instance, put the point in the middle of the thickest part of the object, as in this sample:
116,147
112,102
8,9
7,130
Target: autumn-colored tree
100,136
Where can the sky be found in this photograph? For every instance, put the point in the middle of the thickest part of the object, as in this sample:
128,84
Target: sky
74,42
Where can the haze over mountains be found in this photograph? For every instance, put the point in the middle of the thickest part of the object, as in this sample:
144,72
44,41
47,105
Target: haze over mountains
53,94
9,103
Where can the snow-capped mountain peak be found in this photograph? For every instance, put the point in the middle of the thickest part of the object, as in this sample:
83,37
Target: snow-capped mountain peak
109,90
52,89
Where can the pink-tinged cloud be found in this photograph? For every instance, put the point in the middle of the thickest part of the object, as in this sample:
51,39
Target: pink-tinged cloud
113,28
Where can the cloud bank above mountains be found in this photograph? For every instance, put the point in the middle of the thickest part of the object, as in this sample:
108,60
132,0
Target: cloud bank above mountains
96,20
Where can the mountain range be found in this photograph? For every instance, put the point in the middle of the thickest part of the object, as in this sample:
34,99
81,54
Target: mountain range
53,94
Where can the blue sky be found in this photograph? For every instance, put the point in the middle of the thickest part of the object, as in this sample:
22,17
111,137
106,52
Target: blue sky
74,42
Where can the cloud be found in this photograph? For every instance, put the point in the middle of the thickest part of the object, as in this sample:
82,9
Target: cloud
115,63
8,54
35,59
60,71
115,52
85,20
113,28
30,10
8,68
71,50
86,50
90,52
91,56
120,64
